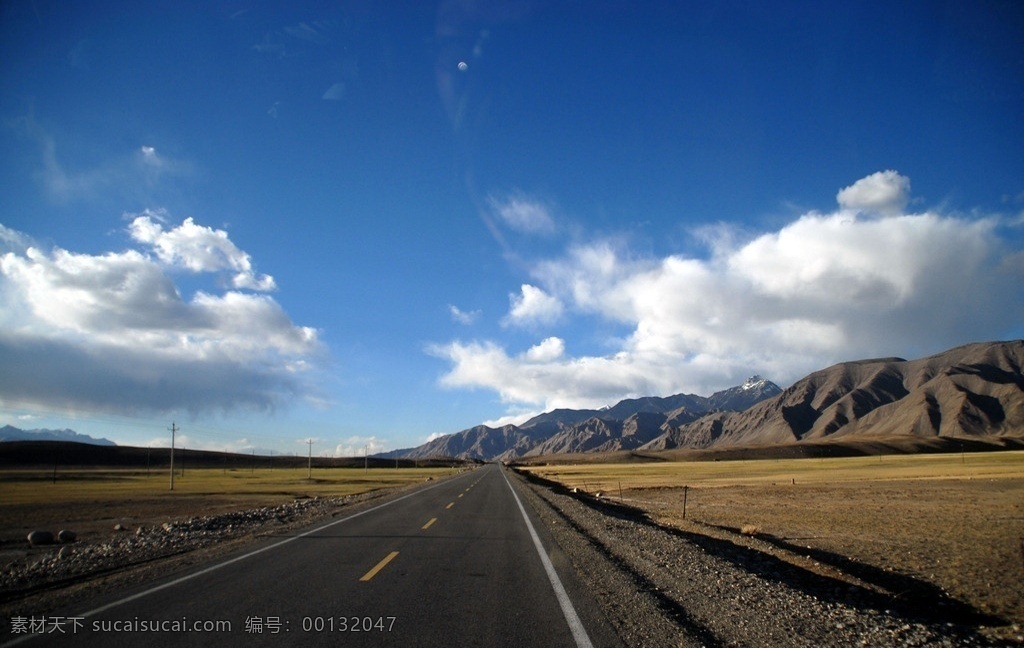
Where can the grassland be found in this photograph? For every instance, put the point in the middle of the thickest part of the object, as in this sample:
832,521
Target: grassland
952,521
92,501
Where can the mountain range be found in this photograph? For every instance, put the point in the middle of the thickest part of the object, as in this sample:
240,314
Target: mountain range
975,390
969,391
627,425
11,433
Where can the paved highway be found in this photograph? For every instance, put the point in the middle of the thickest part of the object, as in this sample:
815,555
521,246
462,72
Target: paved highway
463,562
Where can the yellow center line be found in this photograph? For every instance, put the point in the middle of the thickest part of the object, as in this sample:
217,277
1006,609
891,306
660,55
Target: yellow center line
450,505
427,525
381,565
461,494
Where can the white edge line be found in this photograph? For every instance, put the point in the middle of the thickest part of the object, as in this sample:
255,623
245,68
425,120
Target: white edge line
217,566
579,633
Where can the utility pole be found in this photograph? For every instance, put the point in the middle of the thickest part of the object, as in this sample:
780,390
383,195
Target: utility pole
366,458
310,442
174,429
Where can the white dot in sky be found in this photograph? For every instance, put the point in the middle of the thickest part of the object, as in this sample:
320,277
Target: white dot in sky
463,66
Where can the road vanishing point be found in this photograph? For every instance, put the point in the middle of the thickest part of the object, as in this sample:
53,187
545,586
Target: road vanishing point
460,562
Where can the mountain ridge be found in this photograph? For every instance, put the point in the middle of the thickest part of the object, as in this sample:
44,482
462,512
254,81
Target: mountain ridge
968,391
11,433
628,424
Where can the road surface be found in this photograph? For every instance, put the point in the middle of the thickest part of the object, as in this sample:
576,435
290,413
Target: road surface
463,562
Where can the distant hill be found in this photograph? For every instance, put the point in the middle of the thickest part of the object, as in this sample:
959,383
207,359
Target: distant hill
968,392
51,455
11,433
627,425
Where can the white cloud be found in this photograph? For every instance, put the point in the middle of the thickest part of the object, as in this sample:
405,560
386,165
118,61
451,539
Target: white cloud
112,333
357,446
822,289
523,214
533,306
885,192
198,249
548,350
459,315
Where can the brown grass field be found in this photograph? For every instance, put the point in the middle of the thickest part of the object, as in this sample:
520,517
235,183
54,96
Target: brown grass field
92,501
953,521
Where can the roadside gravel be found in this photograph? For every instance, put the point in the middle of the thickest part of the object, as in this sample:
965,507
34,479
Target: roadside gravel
65,562
60,576
663,587
657,586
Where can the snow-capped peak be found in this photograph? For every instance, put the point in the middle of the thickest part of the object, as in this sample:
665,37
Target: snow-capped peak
753,382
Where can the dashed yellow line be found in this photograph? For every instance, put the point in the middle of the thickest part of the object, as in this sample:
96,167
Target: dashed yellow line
449,506
461,494
381,565
427,525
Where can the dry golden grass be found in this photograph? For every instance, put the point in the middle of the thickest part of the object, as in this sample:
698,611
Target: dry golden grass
955,521
91,502
40,487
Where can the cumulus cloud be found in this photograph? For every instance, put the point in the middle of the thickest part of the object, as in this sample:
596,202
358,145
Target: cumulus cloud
112,332
533,306
197,248
885,192
822,289
357,446
523,215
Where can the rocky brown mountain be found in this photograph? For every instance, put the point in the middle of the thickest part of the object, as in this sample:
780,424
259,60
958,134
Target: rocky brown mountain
627,425
972,390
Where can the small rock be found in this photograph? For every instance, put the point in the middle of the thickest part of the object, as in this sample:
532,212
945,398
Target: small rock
118,527
37,538
66,536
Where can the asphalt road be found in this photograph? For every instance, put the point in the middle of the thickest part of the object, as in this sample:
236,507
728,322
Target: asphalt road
463,562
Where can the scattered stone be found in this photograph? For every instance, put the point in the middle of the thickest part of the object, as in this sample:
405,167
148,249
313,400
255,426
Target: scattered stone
145,544
37,538
698,591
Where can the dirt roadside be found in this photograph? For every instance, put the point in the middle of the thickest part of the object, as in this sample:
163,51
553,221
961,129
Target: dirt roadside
662,585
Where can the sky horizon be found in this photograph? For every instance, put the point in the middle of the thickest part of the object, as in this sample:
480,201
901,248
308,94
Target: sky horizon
371,226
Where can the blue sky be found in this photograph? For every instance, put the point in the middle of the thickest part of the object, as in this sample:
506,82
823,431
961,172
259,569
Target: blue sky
371,225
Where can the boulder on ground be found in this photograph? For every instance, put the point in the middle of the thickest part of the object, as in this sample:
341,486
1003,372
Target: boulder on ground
37,538
66,536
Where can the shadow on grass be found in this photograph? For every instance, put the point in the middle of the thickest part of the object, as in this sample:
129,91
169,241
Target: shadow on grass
909,598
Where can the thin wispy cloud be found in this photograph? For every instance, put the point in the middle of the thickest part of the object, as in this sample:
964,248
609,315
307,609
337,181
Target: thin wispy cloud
131,173
523,214
463,317
864,280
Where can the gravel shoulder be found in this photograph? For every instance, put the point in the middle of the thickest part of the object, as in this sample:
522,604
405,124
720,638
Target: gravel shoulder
56,579
662,586
657,585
